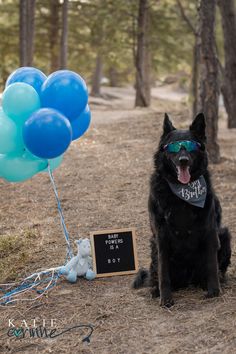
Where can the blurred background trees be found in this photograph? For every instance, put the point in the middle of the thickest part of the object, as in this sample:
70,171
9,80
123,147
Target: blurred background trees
105,29
26,31
228,18
208,100
129,42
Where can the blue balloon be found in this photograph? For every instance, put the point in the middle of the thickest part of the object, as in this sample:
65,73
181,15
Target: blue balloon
81,124
47,133
32,76
65,91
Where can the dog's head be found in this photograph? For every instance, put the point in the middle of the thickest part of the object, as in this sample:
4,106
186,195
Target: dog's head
181,156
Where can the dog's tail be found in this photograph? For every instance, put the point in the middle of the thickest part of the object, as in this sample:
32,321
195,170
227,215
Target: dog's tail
141,279
224,253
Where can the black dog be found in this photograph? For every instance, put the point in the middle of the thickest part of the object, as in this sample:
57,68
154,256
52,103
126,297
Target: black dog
188,245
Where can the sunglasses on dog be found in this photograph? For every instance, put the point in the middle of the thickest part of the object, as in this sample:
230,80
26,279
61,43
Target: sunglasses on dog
188,145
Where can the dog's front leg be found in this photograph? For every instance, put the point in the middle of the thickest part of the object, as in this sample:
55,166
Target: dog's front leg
160,249
213,285
163,272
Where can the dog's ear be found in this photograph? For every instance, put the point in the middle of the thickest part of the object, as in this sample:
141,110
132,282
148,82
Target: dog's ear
198,126
167,125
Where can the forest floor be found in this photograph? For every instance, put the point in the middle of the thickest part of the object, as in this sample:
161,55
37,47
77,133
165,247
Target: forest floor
103,183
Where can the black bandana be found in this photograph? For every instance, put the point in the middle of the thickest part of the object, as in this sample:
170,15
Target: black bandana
193,193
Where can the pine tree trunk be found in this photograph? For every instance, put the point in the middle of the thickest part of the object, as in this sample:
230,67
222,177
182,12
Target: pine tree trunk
228,17
209,81
113,77
97,77
30,31
27,12
64,35
142,63
23,32
195,76
54,34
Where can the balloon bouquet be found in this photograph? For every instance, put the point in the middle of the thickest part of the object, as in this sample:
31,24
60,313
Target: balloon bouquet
39,118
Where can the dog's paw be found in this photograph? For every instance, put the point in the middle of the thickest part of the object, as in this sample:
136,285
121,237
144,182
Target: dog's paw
167,302
155,292
212,293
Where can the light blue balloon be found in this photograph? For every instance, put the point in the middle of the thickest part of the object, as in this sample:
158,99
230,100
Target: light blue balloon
11,139
54,163
15,168
19,101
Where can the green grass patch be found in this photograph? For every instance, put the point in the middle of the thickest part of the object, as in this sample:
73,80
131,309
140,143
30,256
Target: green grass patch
15,253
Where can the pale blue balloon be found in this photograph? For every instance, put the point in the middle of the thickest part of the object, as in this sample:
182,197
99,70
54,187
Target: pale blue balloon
15,168
19,101
54,163
11,139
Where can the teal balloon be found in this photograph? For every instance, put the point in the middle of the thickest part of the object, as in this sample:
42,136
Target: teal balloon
54,163
19,101
15,168
11,139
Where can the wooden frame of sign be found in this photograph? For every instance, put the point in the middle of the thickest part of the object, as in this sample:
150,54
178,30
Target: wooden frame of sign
114,252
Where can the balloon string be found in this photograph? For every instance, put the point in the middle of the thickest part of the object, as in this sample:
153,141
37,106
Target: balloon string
66,234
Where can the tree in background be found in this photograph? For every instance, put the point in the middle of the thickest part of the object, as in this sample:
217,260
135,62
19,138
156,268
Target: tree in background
26,24
53,31
195,61
111,35
209,80
23,32
97,77
104,27
142,62
98,28
64,35
228,17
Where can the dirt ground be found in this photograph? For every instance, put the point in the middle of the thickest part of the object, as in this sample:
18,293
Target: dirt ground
103,183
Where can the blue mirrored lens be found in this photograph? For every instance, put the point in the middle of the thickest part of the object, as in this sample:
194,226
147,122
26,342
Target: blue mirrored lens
173,147
186,144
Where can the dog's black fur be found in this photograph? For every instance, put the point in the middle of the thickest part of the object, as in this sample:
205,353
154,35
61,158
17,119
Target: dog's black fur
189,245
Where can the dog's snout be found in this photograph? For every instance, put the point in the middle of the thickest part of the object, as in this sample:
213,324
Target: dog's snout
183,159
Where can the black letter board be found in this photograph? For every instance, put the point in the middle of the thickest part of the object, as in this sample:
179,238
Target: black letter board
114,252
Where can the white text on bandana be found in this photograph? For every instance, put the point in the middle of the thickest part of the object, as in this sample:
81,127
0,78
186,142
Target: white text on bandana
193,193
